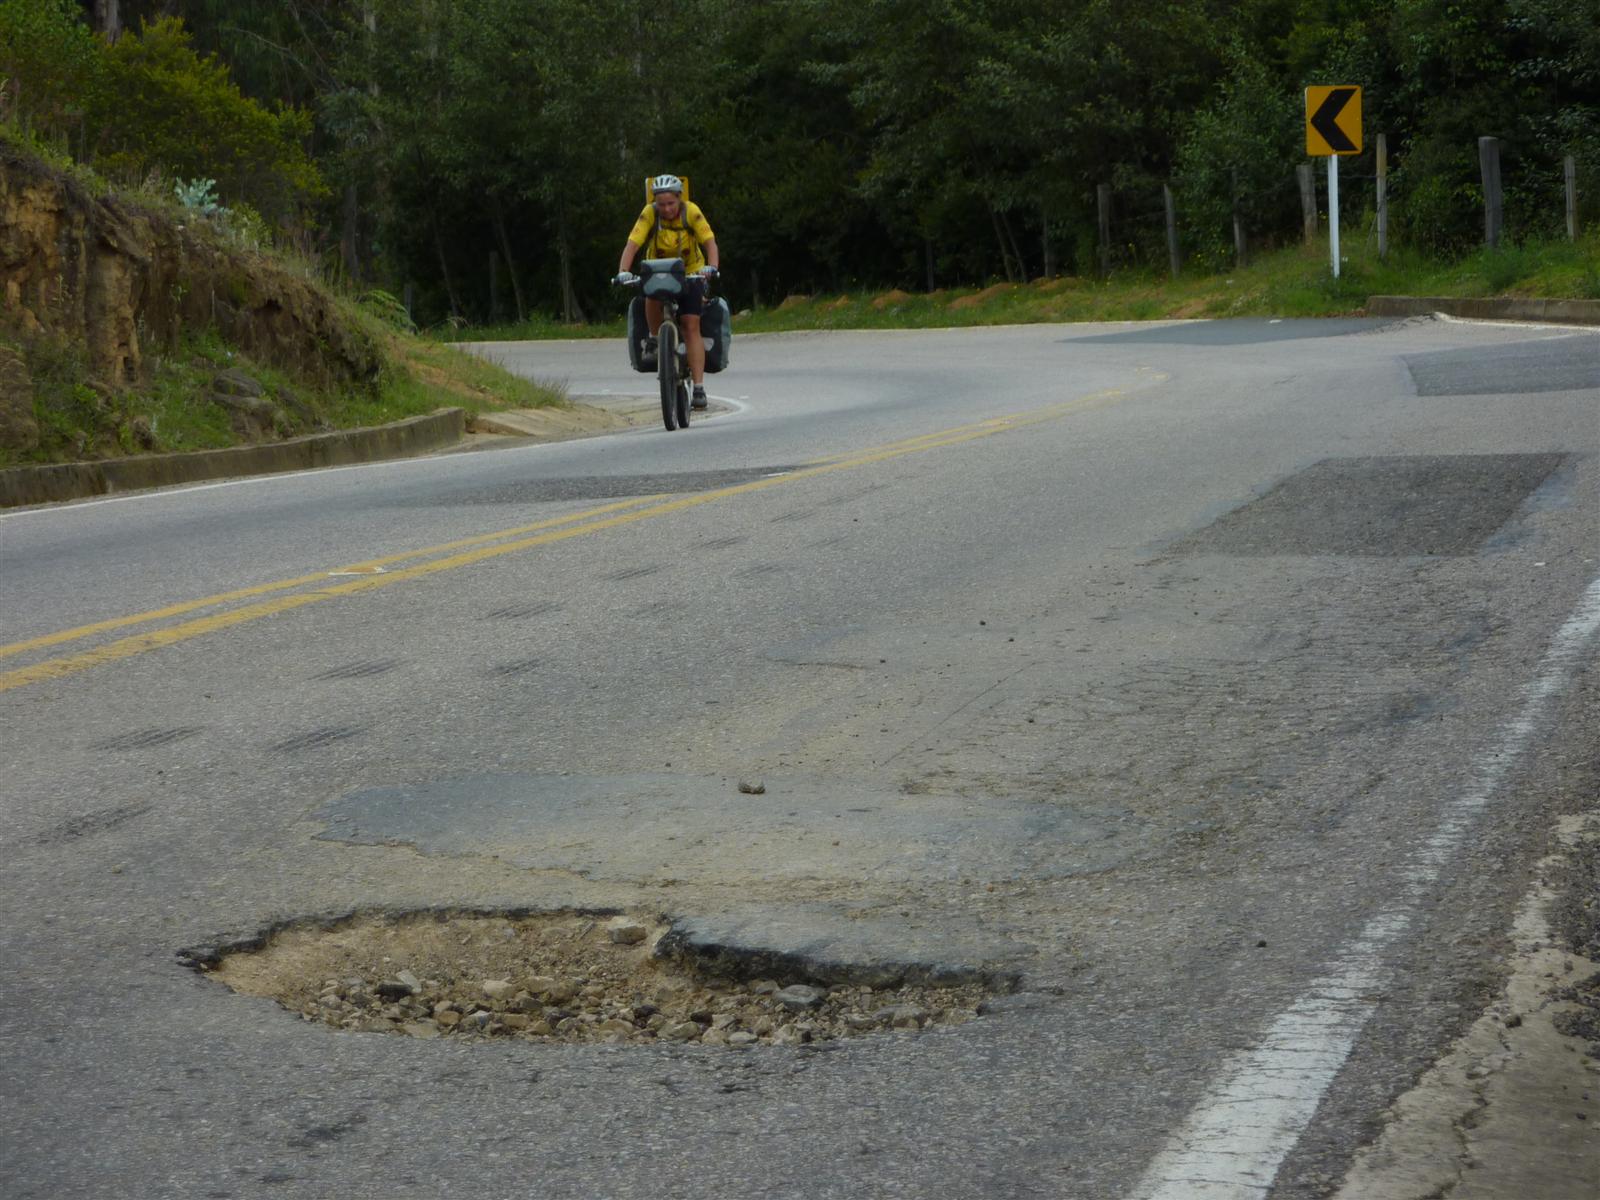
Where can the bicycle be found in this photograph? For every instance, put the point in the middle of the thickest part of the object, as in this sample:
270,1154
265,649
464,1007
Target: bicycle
664,280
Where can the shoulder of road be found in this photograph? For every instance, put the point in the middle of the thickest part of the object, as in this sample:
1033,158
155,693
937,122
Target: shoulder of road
448,429
451,429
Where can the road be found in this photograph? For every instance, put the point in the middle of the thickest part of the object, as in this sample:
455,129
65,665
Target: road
1220,681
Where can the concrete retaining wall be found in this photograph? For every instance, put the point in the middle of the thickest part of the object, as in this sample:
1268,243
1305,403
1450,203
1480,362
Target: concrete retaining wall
1488,308
73,481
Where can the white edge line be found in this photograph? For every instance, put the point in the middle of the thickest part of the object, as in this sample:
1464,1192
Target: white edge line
1234,1141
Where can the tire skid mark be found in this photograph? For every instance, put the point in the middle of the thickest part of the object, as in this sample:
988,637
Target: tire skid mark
633,573
315,738
87,825
519,666
145,739
362,670
516,612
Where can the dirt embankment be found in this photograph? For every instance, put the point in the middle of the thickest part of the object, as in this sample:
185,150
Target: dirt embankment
122,282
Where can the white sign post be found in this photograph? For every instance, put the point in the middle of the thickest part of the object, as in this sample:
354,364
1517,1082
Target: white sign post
1333,210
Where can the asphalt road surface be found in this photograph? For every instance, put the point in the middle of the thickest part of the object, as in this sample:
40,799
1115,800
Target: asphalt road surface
1220,680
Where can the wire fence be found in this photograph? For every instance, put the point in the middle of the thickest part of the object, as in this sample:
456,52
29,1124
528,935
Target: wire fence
1155,226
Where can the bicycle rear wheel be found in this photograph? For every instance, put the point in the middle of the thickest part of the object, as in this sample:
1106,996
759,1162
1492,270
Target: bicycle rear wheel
667,373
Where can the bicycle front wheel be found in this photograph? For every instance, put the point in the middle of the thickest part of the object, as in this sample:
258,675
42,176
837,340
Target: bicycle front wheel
667,372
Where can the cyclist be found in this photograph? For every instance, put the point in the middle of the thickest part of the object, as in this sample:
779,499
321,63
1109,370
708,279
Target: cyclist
675,229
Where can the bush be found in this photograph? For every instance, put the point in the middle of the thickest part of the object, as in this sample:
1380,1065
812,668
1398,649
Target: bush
1240,141
161,106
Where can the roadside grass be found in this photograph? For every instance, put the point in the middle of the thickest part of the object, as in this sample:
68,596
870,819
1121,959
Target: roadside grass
440,375
536,328
1292,282
171,409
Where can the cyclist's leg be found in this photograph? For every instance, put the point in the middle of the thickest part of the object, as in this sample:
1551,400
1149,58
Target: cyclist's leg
689,310
695,347
652,316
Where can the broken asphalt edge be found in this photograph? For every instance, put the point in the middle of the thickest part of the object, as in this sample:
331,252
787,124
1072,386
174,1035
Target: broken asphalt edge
687,939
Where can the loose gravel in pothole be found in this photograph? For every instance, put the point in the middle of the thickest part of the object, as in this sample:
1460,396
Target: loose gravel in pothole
557,977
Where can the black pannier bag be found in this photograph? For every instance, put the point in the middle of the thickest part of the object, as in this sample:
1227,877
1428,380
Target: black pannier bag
716,329
638,331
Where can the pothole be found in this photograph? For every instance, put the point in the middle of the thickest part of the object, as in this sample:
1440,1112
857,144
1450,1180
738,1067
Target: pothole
564,977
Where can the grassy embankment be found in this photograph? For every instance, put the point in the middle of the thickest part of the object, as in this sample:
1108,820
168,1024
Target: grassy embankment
170,410
171,405
1288,283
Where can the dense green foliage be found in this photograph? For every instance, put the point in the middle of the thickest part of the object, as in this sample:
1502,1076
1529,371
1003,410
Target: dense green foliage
149,103
490,152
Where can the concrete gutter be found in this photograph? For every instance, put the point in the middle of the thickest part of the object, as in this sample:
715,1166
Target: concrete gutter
1488,308
74,481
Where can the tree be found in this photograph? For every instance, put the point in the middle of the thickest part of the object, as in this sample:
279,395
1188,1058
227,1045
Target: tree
49,63
160,105
1235,156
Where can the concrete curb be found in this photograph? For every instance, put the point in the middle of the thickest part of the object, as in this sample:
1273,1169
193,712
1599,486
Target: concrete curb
74,481
1487,308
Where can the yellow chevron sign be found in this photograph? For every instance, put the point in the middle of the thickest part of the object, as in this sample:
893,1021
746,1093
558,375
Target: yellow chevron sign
1333,121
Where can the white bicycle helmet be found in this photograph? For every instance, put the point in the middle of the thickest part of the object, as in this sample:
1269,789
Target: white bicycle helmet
666,183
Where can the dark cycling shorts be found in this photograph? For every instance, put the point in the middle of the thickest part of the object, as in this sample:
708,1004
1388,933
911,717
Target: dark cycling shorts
693,301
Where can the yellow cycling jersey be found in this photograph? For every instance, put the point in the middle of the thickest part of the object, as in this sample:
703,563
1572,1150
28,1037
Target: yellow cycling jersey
681,238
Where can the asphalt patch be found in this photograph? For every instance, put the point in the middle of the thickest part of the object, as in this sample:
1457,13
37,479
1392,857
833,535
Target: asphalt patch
660,826
1404,506
596,487
1236,332
1562,364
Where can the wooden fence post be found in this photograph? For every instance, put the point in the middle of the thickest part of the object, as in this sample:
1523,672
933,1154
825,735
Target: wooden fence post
1238,223
1173,262
1383,196
1569,167
1103,198
1308,202
1045,243
1489,165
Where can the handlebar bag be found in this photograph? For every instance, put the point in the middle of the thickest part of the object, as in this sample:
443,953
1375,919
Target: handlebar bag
663,278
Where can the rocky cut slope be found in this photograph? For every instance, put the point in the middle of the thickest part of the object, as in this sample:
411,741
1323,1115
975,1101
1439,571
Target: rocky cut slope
119,282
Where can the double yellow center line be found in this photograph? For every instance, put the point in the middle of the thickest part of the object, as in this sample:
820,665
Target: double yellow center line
375,573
